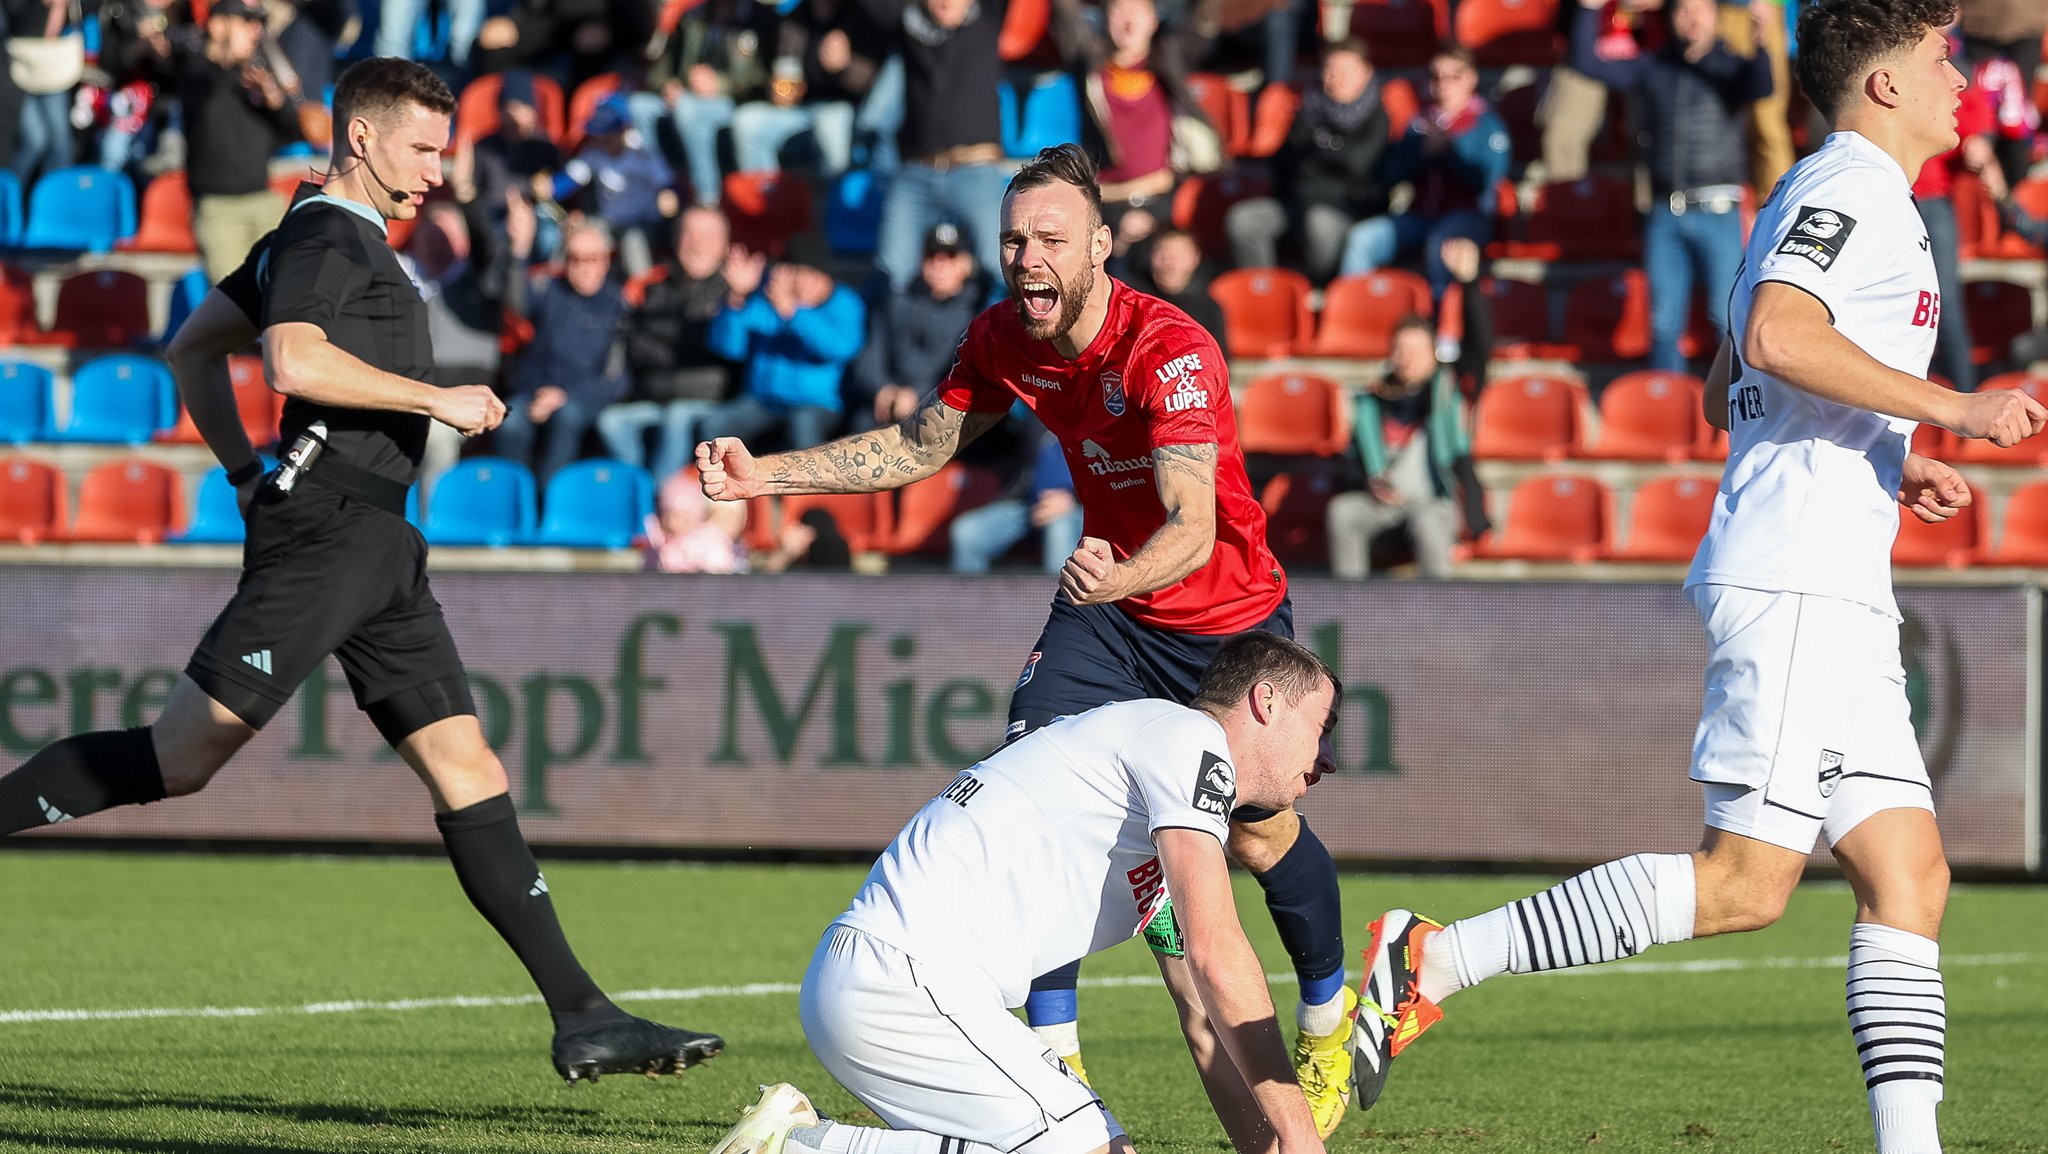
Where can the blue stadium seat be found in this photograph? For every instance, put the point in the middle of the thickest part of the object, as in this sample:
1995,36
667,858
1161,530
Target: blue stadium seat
24,402
853,212
10,209
482,501
121,400
80,209
185,297
595,505
1051,114
216,515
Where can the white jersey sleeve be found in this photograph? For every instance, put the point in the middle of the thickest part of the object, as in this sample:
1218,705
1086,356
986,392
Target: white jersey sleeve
1184,776
1833,243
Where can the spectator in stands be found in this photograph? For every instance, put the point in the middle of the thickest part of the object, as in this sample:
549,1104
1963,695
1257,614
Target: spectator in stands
134,62
235,118
2027,348
44,142
2001,54
1455,153
1696,96
912,337
521,148
691,533
796,331
309,32
620,179
1173,273
1134,90
596,35
827,58
1752,33
677,379
713,61
576,364
951,139
1574,105
399,23
1039,495
1974,153
1409,433
1326,177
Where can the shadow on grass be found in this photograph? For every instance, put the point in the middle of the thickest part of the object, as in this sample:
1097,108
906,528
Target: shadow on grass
46,1097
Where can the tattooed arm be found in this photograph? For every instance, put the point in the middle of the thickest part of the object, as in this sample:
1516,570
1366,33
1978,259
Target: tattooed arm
885,458
1186,475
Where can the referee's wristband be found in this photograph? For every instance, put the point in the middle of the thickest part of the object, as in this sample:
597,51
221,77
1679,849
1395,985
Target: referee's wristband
245,474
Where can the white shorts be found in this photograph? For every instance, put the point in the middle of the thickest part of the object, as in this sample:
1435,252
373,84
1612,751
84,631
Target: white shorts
1805,728
938,1051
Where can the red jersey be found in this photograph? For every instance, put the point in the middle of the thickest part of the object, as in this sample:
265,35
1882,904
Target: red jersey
1152,377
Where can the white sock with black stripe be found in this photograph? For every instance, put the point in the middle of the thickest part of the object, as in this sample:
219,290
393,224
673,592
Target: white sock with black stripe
1617,910
830,1137
1899,1017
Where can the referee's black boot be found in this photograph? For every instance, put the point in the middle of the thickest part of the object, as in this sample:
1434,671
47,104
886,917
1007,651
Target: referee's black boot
629,1045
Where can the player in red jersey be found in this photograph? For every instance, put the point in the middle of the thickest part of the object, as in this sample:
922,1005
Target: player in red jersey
1173,560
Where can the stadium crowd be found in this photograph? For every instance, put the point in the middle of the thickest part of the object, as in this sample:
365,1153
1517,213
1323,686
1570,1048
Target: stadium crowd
669,220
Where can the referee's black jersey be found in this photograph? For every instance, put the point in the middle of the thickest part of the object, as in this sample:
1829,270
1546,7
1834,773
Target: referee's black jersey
329,264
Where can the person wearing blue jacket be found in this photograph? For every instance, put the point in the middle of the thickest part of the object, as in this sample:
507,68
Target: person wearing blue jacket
796,331
1455,153
576,364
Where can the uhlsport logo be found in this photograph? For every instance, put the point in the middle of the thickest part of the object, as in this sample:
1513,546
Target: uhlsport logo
1113,392
1037,382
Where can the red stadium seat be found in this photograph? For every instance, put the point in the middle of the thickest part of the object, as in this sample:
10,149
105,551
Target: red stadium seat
635,288
1558,517
1400,33
1667,520
32,499
1504,33
1228,110
1265,311
2031,195
102,309
1201,202
1593,219
17,306
1292,414
129,500
1297,505
925,509
1649,416
587,97
1399,98
476,110
2030,453
1529,418
256,403
1360,312
1608,320
1521,317
864,519
1272,119
165,219
1948,545
766,209
1027,25
1999,311
2025,540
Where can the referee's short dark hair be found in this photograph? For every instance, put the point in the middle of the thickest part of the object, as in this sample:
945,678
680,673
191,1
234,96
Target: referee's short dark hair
1839,41
1062,164
381,85
1249,658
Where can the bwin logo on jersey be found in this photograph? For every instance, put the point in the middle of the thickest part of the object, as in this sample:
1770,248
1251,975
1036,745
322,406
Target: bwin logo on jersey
1818,234
1830,772
1216,786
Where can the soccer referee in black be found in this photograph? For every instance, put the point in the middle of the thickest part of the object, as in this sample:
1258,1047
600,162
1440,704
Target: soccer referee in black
331,565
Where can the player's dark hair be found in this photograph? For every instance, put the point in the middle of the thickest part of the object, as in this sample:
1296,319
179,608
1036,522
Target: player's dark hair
1062,164
1249,658
1839,41
375,88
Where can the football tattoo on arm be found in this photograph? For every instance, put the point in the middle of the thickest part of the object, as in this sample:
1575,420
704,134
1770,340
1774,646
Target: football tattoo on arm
886,458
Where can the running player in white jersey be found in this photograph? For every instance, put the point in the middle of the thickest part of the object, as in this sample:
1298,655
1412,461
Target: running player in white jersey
1805,729
1065,842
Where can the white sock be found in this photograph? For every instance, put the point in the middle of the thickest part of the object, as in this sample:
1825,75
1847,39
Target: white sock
1898,1017
1321,1020
1064,1038
839,1138
1617,910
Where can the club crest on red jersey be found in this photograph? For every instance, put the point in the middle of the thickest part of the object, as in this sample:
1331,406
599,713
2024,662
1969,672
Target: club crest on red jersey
1113,392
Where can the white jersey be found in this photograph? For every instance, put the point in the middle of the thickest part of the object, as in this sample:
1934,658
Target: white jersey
1809,500
1042,853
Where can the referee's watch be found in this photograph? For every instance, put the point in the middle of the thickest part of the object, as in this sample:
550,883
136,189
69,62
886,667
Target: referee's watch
246,473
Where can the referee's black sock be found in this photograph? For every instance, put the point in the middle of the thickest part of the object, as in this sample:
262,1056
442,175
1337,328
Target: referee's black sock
505,885
1302,896
81,775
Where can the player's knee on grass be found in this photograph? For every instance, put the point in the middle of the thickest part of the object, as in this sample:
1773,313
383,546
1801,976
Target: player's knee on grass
194,737
1258,845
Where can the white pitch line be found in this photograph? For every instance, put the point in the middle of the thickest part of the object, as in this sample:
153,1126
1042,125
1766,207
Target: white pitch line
765,989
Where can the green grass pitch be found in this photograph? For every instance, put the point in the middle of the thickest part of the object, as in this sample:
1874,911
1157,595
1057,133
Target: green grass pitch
1738,1044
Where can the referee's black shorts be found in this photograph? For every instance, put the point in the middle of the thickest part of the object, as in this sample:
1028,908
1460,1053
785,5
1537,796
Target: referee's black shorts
323,573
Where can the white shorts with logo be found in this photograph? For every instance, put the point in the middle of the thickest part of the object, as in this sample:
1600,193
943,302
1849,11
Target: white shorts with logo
936,1050
1805,729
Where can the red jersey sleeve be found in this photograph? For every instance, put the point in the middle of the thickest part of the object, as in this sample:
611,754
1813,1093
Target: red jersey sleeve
968,387
1182,382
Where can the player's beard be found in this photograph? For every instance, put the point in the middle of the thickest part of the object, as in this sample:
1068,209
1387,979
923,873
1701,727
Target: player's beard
1074,295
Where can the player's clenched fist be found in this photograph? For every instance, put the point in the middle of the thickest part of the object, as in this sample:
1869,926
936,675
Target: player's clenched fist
726,470
469,409
2005,417
1089,576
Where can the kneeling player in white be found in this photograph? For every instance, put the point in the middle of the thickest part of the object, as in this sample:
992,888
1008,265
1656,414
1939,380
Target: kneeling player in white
1805,729
1061,844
